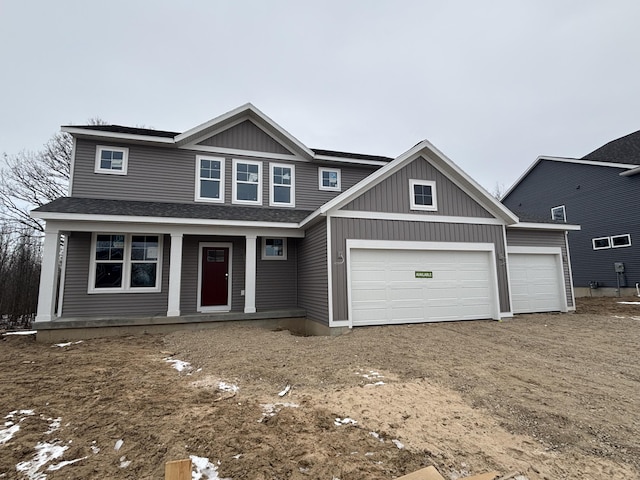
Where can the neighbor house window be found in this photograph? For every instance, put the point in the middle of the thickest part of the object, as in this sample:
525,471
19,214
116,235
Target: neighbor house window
601,243
558,214
125,262
282,185
621,241
423,195
210,179
247,182
329,179
274,248
111,160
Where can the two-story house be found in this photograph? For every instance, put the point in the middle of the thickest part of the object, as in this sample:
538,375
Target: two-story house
236,219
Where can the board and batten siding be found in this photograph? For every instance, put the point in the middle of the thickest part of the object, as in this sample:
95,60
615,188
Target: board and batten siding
157,174
78,303
312,273
536,238
393,194
277,280
394,230
246,136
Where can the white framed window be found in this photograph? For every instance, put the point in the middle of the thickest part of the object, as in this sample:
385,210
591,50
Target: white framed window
111,160
558,214
422,195
125,263
329,179
282,185
618,241
601,243
209,179
247,182
274,248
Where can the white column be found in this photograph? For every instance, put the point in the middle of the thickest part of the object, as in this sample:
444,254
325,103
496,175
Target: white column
48,276
175,274
250,275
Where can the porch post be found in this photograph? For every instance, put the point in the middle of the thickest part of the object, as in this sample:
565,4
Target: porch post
175,274
250,275
48,275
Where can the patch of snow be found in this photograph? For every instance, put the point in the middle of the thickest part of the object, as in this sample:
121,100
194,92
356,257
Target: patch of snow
58,466
369,454
374,384
398,443
94,448
66,344
203,469
630,303
118,445
344,421
285,391
8,433
237,456
45,452
179,365
376,435
228,387
270,409
25,332
124,463
54,425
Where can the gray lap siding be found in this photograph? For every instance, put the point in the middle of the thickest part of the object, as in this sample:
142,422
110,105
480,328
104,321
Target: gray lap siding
366,229
312,273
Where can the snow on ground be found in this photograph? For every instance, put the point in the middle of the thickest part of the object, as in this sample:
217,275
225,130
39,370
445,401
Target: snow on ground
630,303
179,365
21,332
66,344
344,421
203,469
373,376
271,409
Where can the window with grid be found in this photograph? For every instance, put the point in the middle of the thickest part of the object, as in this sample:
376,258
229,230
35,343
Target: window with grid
282,185
247,185
210,181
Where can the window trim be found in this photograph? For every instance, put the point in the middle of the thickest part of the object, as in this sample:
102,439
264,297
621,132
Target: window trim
292,186
264,255
564,213
199,197
628,235
337,188
412,199
125,160
593,243
234,193
126,265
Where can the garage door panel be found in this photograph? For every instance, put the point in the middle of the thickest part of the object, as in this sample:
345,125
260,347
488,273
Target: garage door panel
535,283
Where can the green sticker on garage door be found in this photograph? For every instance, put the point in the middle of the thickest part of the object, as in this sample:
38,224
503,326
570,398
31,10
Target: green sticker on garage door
424,274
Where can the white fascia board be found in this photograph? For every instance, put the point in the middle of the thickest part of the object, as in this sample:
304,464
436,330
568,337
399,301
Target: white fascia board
117,136
545,226
415,217
243,153
328,158
629,173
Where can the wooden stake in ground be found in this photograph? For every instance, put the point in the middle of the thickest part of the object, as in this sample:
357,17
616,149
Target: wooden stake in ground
178,470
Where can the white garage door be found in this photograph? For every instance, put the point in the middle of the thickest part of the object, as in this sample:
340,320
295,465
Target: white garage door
535,283
409,286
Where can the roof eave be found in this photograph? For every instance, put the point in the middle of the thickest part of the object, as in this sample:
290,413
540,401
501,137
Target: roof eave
104,135
545,226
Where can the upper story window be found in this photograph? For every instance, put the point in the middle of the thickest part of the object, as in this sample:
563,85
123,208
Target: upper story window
621,241
423,195
274,248
329,179
601,243
558,214
125,263
282,191
247,182
210,179
111,160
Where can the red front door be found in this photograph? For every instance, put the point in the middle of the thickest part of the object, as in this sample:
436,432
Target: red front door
215,276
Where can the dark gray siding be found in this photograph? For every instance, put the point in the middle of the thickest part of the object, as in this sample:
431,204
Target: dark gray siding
277,280
599,200
537,238
365,229
393,194
189,281
78,303
168,175
246,136
312,273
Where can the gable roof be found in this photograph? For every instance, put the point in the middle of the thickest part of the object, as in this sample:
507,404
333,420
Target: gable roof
440,161
621,150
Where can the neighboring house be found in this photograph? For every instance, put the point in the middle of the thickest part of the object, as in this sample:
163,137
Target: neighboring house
600,193
236,219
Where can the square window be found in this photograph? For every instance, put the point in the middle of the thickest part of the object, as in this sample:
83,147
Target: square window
209,179
558,214
247,182
274,248
329,179
282,185
111,160
422,195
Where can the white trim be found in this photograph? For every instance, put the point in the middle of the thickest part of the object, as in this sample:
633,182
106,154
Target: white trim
412,196
292,185
234,187
340,323
250,276
330,273
198,196
217,308
573,295
506,266
338,187
593,243
263,253
175,275
416,217
125,160
564,213
125,286
506,314
628,235
63,274
328,158
427,246
535,250
232,152
631,172
545,226
72,167
116,135
48,276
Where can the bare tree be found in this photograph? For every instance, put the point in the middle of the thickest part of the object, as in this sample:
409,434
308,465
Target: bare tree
498,190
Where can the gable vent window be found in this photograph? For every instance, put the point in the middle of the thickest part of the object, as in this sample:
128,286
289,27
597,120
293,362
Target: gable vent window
282,185
423,195
247,182
210,179
558,214
111,160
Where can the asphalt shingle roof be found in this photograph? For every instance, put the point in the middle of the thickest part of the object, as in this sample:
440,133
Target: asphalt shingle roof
98,206
621,150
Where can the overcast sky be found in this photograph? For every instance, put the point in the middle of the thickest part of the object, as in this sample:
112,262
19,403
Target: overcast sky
492,84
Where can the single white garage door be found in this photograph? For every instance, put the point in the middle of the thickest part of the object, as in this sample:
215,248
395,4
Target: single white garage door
535,283
410,286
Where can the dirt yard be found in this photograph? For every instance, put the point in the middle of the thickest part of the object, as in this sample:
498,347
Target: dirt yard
546,396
